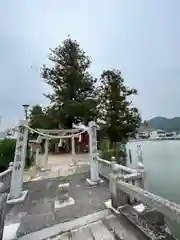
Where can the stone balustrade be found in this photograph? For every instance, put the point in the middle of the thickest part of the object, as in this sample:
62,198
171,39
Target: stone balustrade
105,168
3,198
5,177
124,192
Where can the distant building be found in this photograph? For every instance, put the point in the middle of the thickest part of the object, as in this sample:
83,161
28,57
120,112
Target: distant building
158,133
144,132
2,136
151,133
7,135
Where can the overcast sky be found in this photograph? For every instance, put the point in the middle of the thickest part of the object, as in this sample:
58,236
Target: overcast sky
139,37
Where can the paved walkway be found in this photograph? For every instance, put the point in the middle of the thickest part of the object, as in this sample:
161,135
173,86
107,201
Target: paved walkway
65,159
86,218
59,165
39,211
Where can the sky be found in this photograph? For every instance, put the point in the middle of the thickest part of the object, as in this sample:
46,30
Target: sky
141,38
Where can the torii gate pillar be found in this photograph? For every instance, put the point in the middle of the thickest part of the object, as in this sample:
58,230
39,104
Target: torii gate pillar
16,194
94,171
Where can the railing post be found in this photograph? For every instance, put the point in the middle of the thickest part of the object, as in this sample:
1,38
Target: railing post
141,182
118,197
139,153
10,168
11,165
140,168
3,197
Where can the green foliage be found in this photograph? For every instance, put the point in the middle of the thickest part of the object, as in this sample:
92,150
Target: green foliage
72,85
75,98
7,149
119,119
52,145
44,118
118,151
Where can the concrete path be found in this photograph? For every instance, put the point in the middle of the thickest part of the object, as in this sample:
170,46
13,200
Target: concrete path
65,159
38,211
59,165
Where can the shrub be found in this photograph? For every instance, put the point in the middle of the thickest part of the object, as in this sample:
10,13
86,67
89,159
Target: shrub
7,149
118,151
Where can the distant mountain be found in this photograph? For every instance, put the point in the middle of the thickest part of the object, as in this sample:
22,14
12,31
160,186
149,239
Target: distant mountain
167,124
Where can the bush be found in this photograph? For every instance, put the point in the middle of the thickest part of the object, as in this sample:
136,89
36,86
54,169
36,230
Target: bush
7,149
118,151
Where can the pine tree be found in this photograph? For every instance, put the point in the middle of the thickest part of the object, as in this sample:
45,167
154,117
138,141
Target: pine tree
119,119
72,84
43,118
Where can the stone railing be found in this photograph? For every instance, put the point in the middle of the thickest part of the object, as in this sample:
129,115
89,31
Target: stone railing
3,198
5,177
166,207
144,209
105,168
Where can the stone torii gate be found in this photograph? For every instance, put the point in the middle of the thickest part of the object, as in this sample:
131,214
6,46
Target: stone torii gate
62,134
17,194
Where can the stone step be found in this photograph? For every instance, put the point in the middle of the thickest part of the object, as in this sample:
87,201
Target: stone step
93,231
112,227
81,233
121,229
64,236
99,231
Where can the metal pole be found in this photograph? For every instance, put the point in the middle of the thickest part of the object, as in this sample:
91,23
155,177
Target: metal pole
26,114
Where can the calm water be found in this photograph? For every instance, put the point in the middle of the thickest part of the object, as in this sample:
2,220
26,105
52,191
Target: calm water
162,164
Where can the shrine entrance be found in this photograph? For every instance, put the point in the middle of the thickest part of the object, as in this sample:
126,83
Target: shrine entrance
16,192
65,141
